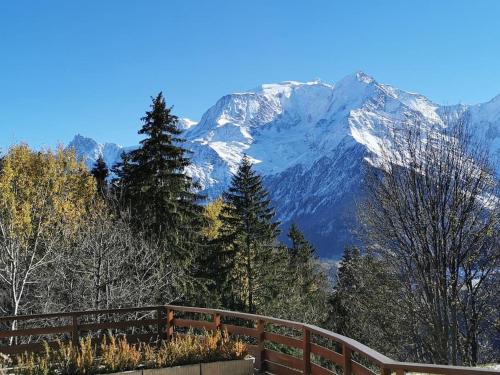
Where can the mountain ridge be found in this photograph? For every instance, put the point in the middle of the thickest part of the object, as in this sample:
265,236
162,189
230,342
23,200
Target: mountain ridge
309,140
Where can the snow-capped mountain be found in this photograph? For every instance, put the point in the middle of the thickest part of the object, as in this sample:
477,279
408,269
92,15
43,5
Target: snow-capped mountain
308,140
90,150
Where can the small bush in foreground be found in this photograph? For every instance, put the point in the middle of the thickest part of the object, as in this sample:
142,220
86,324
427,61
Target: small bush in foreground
116,354
211,347
119,355
5,362
65,359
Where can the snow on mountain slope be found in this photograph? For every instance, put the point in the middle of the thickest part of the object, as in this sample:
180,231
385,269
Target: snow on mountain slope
283,125
308,140
89,150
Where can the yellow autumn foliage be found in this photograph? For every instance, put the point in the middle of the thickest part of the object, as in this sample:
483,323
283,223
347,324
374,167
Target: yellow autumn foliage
212,212
42,190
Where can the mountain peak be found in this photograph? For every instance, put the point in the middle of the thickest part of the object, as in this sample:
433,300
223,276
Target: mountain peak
363,77
185,123
89,150
356,78
286,86
495,100
79,141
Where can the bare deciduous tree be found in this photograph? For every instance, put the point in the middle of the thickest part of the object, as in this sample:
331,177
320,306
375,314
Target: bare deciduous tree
108,266
433,213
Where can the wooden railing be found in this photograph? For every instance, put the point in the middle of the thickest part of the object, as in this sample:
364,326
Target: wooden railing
279,346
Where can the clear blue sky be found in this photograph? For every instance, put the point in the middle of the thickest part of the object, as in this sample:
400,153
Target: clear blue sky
90,66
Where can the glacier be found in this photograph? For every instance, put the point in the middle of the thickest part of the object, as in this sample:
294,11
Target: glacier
308,140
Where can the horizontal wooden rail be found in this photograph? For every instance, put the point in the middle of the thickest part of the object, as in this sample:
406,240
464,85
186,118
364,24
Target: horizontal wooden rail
189,323
293,348
122,324
36,331
282,339
10,318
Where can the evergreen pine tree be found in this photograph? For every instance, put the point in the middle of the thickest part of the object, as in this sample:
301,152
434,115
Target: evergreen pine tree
301,248
305,287
121,170
100,172
248,236
349,273
366,303
303,261
162,199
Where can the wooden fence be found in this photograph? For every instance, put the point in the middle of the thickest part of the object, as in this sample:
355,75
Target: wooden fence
279,346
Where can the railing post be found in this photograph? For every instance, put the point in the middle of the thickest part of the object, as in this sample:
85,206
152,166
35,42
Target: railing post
346,351
74,331
385,371
259,361
216,319
306,341
161,323
170,324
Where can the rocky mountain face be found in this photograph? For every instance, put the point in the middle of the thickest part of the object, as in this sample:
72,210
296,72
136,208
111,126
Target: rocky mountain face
309,141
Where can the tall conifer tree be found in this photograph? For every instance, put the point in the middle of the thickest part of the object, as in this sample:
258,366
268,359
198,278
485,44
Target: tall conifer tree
162,199
100,172
301,248
249,235
304,289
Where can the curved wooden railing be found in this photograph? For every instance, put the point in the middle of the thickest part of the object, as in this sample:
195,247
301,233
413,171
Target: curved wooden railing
311,350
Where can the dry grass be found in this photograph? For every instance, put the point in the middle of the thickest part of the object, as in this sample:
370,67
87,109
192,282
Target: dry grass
117,354
66,359
5,362
211,347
